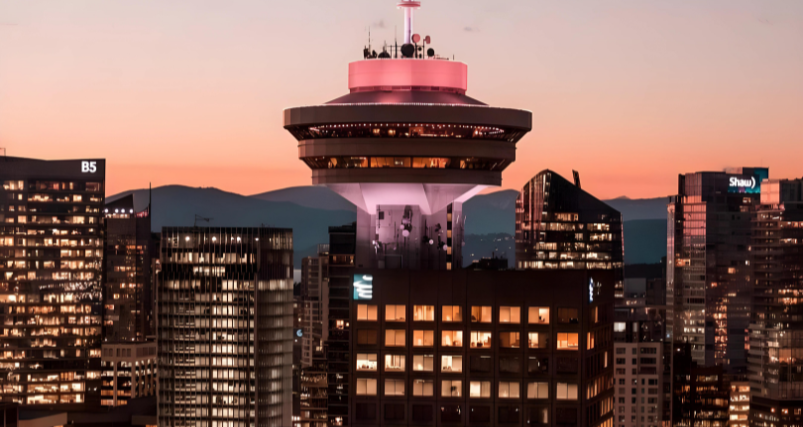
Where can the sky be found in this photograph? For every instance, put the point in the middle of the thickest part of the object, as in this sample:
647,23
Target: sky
629,93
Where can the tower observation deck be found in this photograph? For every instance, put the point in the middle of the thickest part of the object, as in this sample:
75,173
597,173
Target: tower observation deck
407,146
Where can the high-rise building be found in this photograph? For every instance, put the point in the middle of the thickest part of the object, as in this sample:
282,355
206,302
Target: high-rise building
709,277
560,226
128,300
224,321
128,372
642,351
51,260
413,338
314,304
700,394
776,330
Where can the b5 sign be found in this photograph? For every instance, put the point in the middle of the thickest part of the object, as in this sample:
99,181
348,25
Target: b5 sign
89,167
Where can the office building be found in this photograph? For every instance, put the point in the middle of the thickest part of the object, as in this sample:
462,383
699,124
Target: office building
776,329
642,369
128,300
128,372
51,260
314,304
482,347
224,321
700,394
739,406
560,226
709,285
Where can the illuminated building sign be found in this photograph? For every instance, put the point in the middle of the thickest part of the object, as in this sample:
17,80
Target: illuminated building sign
747,184
89,167
363,287
591,290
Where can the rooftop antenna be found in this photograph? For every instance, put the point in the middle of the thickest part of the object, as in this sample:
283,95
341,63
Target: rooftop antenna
200,218
576,178
408,6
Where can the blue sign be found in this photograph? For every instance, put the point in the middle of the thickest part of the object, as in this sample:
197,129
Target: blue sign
591,291
299,333
363,287
748,184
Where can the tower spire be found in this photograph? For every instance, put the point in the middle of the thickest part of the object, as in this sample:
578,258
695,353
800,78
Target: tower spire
408,6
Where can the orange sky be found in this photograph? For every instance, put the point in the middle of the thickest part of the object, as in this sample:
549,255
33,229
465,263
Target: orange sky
630,93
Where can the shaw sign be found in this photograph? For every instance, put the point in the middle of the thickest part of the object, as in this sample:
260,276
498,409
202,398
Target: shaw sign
742,183
363,287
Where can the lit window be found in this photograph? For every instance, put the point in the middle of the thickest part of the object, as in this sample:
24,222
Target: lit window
452,338
451,363
481,314
424,313
366,362
508,390
396,337
566,391
509,314
590,341
395,313
537,340
479,389
538,390
480,339
366,312
366,387
509,340
451,388
538,315
619,326
452,313
394,387
567,341
423,338
423,388
394,363
423,362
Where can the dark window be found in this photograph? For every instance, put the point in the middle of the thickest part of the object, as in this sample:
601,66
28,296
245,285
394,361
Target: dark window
648,360
366,337
568,315
479,414
538,416
509,414
481,364
509,365
422,413
366,411
566,416
566,365
538,365
394,412
451,414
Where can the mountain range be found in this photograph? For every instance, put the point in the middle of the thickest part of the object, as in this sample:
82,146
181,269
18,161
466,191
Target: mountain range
309,211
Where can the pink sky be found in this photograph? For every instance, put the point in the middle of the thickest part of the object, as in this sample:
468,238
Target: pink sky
630,93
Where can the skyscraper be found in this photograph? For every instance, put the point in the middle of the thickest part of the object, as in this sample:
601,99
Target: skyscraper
709,275
51,248
560,226
776,329
224,319
128,299
413,338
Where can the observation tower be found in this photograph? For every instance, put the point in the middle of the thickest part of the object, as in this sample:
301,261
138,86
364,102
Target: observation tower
407,146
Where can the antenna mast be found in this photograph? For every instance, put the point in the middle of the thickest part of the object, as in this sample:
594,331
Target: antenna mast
408,6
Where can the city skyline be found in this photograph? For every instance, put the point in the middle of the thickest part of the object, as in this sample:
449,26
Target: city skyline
192,94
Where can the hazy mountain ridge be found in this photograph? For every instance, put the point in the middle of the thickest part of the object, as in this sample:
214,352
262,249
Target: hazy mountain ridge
310,210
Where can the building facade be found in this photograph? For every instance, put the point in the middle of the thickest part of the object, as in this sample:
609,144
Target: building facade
482,348
709,285
776,328
224,322
700,394
128,297
51,263
128,372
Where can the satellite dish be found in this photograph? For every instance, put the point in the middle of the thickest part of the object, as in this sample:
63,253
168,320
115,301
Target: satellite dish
426,40
430,52
416,38
407,50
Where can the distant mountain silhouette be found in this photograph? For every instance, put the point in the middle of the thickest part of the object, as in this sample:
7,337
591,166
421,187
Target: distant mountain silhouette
176,205
310,196
310,210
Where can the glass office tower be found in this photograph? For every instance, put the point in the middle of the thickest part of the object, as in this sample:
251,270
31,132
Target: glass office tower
51,258
710,285
776,330
224,320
